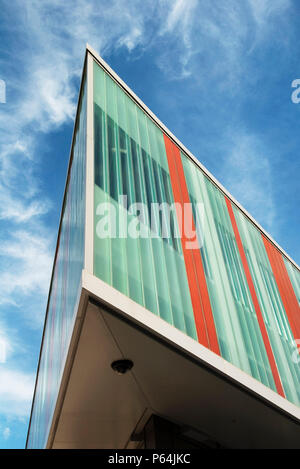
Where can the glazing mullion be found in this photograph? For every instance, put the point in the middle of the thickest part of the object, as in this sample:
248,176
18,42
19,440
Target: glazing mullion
238,280
173,220
135,281
102,245
181,299
248,319
279,311
150,287
178,285
272,289
267,299
118,243
163,291
271,295
221,289
258,291
294,276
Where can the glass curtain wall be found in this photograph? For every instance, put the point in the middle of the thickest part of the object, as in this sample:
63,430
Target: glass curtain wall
64,289
131,161
275,318
236,323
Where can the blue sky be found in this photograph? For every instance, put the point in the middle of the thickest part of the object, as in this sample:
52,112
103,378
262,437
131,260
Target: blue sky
218,74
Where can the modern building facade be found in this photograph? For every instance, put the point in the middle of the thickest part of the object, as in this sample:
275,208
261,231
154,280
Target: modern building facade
156,263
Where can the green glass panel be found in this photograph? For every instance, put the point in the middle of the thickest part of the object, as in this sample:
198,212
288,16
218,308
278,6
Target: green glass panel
236,323
130,160
294,275
278,328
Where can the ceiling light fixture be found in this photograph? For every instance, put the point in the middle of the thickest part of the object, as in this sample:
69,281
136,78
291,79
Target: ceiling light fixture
122,366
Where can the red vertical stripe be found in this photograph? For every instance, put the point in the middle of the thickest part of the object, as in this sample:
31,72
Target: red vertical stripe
285,287
259,315
204,321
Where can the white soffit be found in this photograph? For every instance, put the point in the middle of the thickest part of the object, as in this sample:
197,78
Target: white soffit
111,297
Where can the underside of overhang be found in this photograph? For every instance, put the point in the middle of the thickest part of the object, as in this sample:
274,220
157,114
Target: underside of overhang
102,409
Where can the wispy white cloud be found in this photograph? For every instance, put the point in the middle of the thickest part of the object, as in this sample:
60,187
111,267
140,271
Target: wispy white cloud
18,211
208,39
263,10
27,263
212,40
179,21
6,343
6,433
50,99
247,174
16,390
3,349
216,43
56,34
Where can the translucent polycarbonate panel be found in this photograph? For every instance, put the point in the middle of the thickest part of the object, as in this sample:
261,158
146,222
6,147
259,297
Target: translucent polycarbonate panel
64,290
275,318
135,246
237,327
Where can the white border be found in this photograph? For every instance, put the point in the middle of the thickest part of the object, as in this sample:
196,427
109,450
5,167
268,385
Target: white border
89,177
143,106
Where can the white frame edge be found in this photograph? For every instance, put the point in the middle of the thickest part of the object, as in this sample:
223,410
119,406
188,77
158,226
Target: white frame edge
89,176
